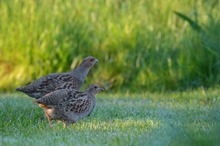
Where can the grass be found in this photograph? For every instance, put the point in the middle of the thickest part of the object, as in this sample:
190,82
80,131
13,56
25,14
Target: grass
178,118
143,45
153,45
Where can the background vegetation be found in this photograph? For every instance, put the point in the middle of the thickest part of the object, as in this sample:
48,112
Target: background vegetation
151,45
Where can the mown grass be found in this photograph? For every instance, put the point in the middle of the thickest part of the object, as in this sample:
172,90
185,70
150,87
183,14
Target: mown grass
181,118
142,44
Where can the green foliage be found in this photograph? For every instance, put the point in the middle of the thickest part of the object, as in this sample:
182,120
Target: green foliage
181,118
192,23
140,44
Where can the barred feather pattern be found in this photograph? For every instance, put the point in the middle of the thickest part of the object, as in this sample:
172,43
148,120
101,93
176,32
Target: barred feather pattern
69,105
56,81
50,83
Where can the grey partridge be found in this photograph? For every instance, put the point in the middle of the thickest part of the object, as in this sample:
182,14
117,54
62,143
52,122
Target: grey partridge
55,81
68,105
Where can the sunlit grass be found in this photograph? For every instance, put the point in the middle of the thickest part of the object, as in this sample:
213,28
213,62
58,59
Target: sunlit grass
181,118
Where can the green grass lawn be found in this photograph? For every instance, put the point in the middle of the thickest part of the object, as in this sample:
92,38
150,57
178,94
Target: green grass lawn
180,118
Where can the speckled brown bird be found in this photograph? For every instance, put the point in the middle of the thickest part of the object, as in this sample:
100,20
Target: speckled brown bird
56,81
69,105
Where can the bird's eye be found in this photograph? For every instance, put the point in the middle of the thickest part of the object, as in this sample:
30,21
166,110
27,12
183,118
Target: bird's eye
91,60
95,87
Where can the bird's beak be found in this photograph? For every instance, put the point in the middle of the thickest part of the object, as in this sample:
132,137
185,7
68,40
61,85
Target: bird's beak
102,89
96,60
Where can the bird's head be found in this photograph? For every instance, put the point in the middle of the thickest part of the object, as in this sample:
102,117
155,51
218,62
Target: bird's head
89,61
94,89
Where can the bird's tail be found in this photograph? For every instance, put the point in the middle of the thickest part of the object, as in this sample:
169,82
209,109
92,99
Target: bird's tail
40,104
19,89
22,89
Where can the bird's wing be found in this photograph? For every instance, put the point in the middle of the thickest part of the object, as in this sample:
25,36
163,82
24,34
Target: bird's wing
51,82
56,98
75,84
79,104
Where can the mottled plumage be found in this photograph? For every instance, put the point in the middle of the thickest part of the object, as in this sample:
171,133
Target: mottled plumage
69,105
56,81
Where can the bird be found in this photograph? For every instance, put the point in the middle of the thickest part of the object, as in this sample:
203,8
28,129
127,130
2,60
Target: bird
69,105
55,81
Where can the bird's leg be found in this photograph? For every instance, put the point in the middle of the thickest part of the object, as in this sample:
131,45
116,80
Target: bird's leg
66,123
64,126
51,126
49,120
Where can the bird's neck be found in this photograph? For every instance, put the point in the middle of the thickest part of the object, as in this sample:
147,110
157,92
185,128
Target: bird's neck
91,92
81,71
91,96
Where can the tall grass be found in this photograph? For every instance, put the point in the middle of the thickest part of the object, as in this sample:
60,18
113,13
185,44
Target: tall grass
140,44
